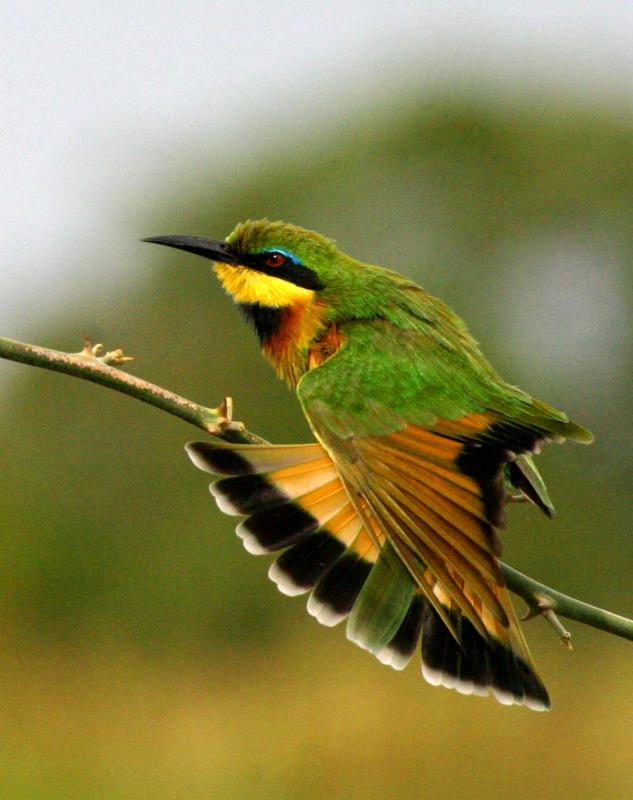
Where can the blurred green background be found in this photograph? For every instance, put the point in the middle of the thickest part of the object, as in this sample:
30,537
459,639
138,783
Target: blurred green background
145,654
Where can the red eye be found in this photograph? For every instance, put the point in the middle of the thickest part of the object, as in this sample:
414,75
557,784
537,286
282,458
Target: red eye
275,260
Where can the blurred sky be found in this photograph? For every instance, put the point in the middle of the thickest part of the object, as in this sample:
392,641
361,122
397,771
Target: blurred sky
100,97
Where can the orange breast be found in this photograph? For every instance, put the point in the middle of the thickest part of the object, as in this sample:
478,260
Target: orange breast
302,341
324,347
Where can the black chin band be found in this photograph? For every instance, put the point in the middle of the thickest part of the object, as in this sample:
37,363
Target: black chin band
265,319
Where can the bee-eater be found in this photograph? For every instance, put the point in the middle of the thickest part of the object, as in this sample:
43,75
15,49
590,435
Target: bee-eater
389,518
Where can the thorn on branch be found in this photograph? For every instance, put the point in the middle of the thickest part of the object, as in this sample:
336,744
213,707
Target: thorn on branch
517,498
543,606
109,359
225,421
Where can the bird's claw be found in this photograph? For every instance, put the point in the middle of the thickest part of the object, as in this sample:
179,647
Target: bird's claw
109,359
543,607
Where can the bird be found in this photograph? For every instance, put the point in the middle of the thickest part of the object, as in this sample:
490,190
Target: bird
389,518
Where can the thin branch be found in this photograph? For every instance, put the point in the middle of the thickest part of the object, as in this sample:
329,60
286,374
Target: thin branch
90,366
542,599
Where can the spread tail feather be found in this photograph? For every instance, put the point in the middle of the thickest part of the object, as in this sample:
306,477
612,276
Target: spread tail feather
476,665
295,502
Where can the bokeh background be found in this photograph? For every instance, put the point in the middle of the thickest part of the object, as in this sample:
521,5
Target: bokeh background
485,149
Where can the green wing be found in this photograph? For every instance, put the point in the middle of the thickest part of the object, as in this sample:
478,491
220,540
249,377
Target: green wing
426,437
385,377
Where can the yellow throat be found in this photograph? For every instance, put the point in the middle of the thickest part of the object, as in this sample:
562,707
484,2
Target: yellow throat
249,286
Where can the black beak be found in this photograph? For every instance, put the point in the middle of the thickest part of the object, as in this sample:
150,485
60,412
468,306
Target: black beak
215,249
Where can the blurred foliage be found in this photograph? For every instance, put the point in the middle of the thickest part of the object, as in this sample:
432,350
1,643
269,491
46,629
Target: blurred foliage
146,655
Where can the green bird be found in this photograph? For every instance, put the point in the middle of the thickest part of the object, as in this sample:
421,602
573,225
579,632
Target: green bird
387,520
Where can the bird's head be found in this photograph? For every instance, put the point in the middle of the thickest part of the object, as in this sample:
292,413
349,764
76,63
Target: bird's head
271,264
296,289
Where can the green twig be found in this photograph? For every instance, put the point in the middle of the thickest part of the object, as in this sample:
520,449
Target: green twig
543,600
90,366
